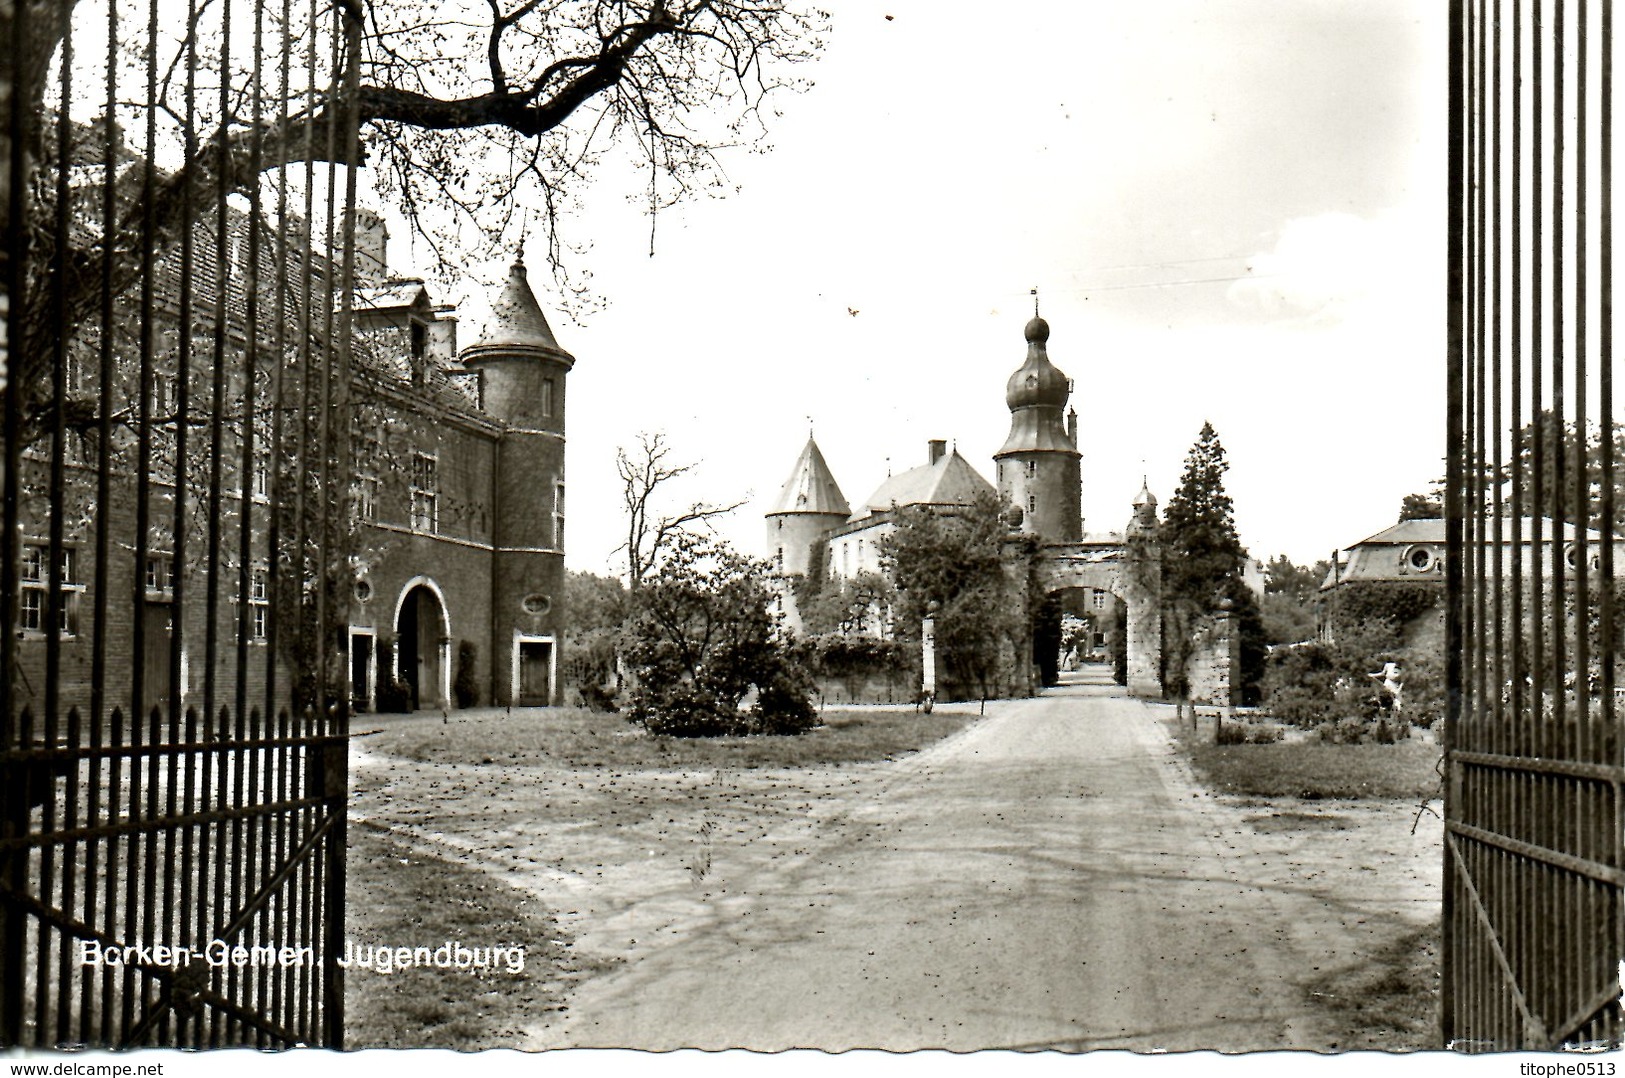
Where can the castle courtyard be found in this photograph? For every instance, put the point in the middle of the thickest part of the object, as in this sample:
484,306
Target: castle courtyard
1051,876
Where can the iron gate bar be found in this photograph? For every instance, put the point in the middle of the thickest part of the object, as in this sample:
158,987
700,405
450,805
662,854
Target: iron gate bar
1535,869
228,807
154,972
1568,862
1542,765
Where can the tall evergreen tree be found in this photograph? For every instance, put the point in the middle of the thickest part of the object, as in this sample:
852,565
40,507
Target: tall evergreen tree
1201,552
1202,562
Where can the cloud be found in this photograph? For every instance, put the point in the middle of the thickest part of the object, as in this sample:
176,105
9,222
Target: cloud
1337,267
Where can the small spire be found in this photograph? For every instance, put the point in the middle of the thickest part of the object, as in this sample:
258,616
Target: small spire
1035,302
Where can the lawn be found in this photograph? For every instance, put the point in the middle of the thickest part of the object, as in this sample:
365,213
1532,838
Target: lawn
576,737
399,898
1315,770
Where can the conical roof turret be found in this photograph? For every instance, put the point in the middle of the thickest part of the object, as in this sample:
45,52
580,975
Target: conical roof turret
811,487
516,324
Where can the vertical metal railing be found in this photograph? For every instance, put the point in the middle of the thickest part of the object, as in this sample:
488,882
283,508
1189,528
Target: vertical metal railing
1534,866
173,543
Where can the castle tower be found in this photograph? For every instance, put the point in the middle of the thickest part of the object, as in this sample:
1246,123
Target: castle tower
522,373
1038,467
1142,594
809,504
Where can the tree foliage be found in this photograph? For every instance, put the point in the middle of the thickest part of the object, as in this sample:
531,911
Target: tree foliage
1202,562
953,565
858,604
1421,507
1201,550
701,635
1371,624
474,110
1558,469
1291,595
594,608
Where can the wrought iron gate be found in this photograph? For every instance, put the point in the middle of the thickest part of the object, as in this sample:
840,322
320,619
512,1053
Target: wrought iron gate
177,251
1533,931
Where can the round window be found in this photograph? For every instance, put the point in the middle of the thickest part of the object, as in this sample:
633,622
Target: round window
1421,557
536,604
363,591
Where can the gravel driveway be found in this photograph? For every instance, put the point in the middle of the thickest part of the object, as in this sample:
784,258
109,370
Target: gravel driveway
1049,878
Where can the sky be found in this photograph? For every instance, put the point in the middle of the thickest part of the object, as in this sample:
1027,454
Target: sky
1233,212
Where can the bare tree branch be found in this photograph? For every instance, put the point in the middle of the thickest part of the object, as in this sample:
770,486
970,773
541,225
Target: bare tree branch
650,535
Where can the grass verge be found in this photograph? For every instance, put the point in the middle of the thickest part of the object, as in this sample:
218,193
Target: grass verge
1391,1003
400,898
1313,770
575,737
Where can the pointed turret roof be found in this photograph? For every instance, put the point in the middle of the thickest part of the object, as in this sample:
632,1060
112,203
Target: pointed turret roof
516,318
811,488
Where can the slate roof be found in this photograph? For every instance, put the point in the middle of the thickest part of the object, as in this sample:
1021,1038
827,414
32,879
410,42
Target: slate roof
1431,530
950,481
811,487
516,319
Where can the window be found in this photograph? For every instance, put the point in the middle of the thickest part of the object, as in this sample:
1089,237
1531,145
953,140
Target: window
35,583
558,516
1032,504
160,574
261,482
367,486
425,493
1099,599
1032,469
259,604
547,397
165,396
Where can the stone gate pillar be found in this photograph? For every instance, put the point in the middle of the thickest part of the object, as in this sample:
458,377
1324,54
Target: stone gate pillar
1018,567
1142,594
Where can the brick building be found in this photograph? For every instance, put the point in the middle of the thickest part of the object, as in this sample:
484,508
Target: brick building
452,517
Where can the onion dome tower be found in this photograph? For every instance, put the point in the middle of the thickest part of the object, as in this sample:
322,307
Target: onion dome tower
522,372
809,505
1039,466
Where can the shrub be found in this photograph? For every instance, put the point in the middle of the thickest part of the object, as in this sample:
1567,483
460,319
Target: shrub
587,661
1246,733
465,687
853,659
1300,684
1359,731
683,711
394,694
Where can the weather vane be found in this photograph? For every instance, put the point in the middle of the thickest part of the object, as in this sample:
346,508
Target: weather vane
1034,293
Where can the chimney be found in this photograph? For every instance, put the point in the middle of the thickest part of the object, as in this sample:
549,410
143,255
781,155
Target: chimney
938,447
371,243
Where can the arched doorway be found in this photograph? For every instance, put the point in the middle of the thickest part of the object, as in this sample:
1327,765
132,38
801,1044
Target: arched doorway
1121,599
423,644
1075,627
